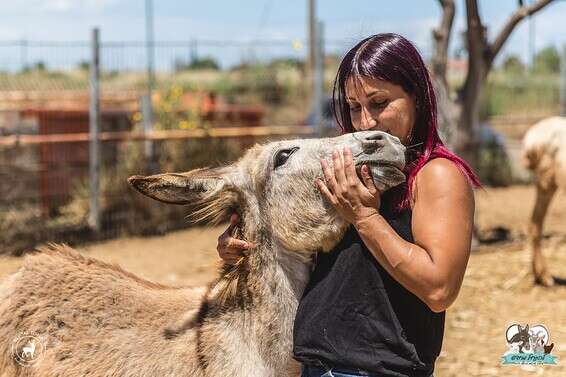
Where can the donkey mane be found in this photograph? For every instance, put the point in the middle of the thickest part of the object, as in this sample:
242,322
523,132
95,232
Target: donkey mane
55,251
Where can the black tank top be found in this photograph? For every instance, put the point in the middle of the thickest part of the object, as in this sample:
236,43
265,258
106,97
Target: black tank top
354,315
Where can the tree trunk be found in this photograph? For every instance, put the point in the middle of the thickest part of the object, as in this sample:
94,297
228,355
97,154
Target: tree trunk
459,121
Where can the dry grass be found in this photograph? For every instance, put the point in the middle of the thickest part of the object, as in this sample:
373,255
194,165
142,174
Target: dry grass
497,290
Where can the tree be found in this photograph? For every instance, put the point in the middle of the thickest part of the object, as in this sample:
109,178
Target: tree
197,63
513,64
84,65
459,114
547,60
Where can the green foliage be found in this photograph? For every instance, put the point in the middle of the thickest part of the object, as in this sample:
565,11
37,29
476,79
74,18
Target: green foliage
509,93
197,63
171,113
84,65
285,63
547,60
513,64
261,82
494,167
38,66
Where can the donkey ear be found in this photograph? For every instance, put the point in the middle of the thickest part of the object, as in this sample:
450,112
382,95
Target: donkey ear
193,187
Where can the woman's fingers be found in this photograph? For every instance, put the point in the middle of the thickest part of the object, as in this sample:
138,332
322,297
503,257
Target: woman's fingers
230,249
329,176
231,259
326,192
232,243
234,219
339,170
223,238
350,169
231,253
368,180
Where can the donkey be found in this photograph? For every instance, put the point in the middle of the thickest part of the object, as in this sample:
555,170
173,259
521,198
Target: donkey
99,320
544,153
522,338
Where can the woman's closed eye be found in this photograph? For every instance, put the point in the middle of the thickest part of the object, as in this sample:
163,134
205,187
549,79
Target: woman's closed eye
380,104
355,107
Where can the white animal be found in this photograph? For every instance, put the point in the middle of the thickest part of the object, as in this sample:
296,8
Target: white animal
544,152
29,351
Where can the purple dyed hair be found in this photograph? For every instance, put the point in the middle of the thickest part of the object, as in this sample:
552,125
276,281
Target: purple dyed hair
392,58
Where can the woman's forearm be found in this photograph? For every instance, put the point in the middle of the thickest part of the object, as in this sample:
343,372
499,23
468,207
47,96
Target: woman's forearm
411,265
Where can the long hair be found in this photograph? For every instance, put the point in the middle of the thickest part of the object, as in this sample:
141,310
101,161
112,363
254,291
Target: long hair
392,58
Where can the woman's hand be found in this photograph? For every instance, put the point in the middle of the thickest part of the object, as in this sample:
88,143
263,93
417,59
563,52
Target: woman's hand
352,199
230,248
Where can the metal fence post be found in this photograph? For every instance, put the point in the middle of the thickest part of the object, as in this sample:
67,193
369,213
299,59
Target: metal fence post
23,54
318,89
193,51
563,82
94,125
149,147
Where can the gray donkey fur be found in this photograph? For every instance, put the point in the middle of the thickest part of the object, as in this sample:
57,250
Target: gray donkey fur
99,320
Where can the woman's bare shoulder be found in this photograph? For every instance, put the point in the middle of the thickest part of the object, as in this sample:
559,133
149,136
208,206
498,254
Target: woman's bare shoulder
441,177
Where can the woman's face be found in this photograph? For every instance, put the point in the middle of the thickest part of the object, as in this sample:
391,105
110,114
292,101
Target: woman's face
380,105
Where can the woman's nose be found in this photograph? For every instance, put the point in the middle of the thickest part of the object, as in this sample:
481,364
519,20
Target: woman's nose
368,121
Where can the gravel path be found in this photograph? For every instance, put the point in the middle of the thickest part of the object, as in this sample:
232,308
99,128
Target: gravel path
497,290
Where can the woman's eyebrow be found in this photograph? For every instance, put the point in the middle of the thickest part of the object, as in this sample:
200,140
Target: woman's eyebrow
370,94
373,93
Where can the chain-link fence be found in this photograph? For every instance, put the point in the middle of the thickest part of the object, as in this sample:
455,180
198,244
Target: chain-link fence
200,85
45,189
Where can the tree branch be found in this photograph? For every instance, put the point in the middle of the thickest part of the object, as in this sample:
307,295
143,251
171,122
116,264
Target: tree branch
441,36
476,46
516,17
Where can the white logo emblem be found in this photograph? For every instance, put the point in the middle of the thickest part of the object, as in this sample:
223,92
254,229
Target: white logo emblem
28,348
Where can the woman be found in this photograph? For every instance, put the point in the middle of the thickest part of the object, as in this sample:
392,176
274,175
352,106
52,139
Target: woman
375,305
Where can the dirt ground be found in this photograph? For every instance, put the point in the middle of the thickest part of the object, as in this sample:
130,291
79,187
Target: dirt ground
497,290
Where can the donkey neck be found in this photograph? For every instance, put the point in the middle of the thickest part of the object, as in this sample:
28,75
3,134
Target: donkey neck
271,269
276,287
278,273
260,315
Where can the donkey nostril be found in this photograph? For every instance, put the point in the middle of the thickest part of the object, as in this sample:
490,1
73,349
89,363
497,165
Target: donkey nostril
376,137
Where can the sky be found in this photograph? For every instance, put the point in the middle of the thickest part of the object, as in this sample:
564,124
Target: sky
345,22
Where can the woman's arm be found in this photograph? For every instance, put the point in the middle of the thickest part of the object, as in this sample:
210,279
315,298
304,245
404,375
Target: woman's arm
433,266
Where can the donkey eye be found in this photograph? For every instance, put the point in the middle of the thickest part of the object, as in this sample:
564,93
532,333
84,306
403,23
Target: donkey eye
282,156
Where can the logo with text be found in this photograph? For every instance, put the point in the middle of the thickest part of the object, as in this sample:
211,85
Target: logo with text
28,348
528,345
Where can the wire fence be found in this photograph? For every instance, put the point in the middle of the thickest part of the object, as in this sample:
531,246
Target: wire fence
22,55
45,189
198,114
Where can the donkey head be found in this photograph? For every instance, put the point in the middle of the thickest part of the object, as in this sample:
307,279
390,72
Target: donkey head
272,188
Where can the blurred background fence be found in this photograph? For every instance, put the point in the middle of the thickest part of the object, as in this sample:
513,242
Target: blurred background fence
211,100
